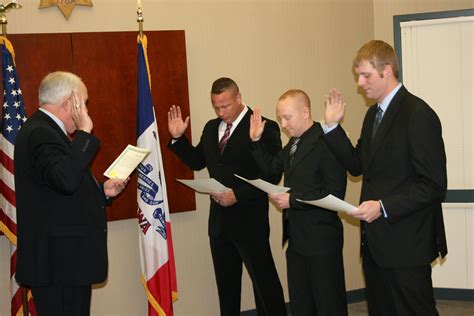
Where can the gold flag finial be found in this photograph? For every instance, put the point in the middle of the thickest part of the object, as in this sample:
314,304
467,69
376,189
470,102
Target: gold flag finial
140,17
4,9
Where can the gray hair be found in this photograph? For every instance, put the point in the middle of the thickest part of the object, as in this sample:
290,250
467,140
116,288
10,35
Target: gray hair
56,86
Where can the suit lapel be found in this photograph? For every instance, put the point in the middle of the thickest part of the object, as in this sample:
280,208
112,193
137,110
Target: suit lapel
387,122
213,137
305,147
241,129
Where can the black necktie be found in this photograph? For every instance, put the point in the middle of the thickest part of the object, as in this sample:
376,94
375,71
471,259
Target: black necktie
225,138
378,119
293,148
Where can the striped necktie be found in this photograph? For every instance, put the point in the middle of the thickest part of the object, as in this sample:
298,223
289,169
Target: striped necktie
225,138
378,119
293,148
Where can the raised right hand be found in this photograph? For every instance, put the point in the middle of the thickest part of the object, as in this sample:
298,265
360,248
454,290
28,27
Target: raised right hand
176,125
335,108
79,113
256,125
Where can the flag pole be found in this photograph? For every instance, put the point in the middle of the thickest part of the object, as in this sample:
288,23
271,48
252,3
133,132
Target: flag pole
140,17
4,9
3,17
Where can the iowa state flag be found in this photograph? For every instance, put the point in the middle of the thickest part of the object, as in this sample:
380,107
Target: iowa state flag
156,245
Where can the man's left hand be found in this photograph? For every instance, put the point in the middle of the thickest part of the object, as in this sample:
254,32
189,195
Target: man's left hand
282,200
368,211
225,198
114,187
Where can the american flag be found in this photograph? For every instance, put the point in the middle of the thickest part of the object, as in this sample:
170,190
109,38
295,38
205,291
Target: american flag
156,245
13,117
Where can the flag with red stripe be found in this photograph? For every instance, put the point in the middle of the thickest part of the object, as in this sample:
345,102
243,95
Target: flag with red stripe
13,117
156,244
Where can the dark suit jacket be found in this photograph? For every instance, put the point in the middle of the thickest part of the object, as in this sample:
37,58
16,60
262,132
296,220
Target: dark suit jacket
313,174
60,208
248,218
405,168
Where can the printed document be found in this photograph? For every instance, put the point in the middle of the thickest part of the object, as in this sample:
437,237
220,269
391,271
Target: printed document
205,185
265,186
126,162
332,203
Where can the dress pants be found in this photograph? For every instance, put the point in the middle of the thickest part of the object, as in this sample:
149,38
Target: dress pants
316,284
62,300
228,256
398,291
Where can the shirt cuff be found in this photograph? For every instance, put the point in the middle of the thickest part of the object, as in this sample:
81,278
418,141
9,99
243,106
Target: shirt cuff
327,129
383,209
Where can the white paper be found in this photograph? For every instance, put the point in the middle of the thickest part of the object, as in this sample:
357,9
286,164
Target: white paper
205,185
126,162
265,186
332,203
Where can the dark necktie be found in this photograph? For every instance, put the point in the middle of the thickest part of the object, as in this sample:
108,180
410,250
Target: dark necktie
293,148
225,138
378,119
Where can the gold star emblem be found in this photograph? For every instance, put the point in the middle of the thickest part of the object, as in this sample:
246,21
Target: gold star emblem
66,6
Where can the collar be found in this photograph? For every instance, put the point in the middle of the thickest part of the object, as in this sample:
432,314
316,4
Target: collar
55,119
386,101
306,133
236,122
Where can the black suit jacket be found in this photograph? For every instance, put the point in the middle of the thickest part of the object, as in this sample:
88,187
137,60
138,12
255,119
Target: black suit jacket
60,207
405,168
248,218
313,174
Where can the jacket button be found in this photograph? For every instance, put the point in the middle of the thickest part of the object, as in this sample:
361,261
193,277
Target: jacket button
367,180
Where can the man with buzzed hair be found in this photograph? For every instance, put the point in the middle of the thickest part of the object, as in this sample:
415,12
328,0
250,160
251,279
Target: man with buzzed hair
238,220
315,235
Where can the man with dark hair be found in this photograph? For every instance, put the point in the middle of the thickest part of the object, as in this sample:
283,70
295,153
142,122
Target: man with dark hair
238,219
401,156
315,235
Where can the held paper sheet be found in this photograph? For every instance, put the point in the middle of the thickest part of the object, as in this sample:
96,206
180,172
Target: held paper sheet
332,203
205,185
126,162
265,186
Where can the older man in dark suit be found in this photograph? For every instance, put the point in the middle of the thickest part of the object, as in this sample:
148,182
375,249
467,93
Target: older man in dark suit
62,228
401,155
315,235
238,219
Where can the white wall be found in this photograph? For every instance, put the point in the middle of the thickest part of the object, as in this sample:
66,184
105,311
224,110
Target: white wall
267,47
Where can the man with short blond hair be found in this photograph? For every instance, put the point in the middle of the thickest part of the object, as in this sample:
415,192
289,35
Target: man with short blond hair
401,156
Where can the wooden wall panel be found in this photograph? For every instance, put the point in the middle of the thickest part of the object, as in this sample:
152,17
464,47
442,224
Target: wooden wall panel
35,56
107,62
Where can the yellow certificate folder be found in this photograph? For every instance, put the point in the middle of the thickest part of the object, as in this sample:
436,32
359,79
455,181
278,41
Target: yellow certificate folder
126,162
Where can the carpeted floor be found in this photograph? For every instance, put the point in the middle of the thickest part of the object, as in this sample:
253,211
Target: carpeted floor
445,308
